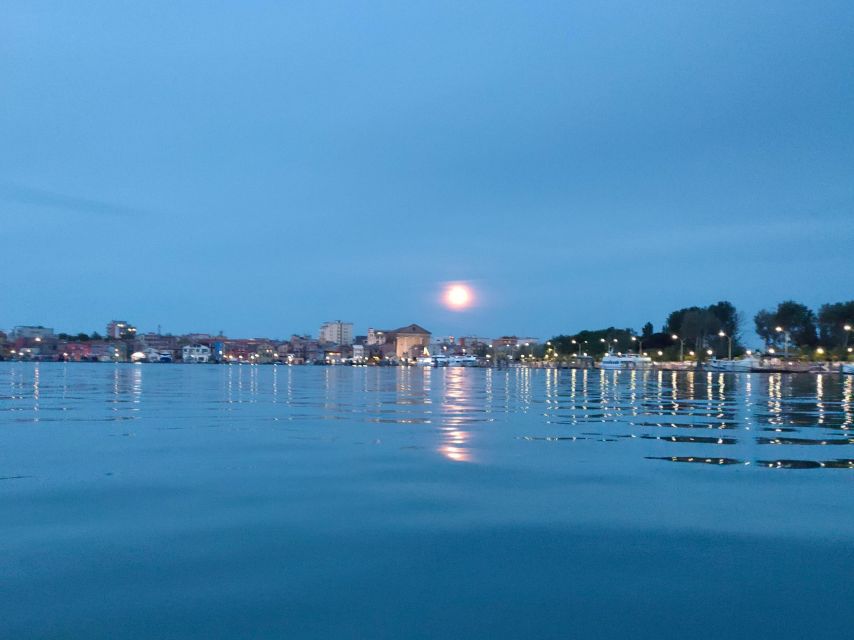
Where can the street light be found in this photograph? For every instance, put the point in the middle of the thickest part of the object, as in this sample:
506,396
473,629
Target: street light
847,329
640,343
786,337
681,347
729,338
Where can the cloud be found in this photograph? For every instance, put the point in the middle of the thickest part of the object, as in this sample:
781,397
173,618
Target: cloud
65,202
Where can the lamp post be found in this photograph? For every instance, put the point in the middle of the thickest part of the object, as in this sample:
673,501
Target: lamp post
786,338
847,329
681,347
640,343
729,339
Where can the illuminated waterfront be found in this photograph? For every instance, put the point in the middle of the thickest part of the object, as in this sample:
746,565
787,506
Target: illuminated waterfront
247,501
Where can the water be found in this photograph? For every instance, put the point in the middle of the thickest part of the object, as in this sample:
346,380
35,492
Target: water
176,501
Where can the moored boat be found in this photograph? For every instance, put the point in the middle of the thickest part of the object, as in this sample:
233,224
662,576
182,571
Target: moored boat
441,360
749,363
625,361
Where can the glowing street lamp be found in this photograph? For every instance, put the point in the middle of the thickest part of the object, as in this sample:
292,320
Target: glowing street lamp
847,328
729,339
639,341
681,347
787,337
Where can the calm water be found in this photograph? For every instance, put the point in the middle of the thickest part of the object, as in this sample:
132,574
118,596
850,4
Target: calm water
176,501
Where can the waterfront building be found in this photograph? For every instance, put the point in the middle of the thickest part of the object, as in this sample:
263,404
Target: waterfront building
218,351
32,332
76,351
336,332
306,349
471,343
406,342
103,351
163,344
358,353
505,341
375,338
118,329
196,353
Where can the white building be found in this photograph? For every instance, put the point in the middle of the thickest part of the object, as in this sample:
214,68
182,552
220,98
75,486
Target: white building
358,353
196,353
375,338
336,332
117,329
32,332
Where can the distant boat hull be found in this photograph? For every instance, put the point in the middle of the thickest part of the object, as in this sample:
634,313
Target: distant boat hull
447,361
613,362
735,366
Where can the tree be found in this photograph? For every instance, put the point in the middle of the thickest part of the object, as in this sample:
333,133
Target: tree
594,342
728,318
832,319
674,320
702,324
799,321
765,323
647,330
793,317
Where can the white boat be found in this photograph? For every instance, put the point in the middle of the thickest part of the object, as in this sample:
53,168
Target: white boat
742,364
441,360
462,361
625,361
848,368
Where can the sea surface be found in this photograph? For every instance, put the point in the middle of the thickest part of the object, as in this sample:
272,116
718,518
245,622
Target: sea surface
238,501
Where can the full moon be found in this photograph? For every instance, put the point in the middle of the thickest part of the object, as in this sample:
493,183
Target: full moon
458,296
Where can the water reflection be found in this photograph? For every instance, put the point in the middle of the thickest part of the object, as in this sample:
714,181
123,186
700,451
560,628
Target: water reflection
467,415
455,407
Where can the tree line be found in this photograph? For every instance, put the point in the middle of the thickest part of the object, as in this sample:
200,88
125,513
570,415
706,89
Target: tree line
695,331
829,328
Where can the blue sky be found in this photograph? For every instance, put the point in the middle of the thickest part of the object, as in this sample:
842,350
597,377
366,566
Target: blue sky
259,168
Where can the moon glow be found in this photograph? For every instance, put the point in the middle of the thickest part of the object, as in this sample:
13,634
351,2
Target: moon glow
458,297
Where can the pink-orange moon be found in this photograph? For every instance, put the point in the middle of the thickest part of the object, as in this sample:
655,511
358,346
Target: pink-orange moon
458,296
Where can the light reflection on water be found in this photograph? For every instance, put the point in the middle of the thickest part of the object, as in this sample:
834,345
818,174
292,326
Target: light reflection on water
776,420
238,501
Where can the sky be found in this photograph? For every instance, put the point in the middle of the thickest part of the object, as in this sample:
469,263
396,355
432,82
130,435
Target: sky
258,168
